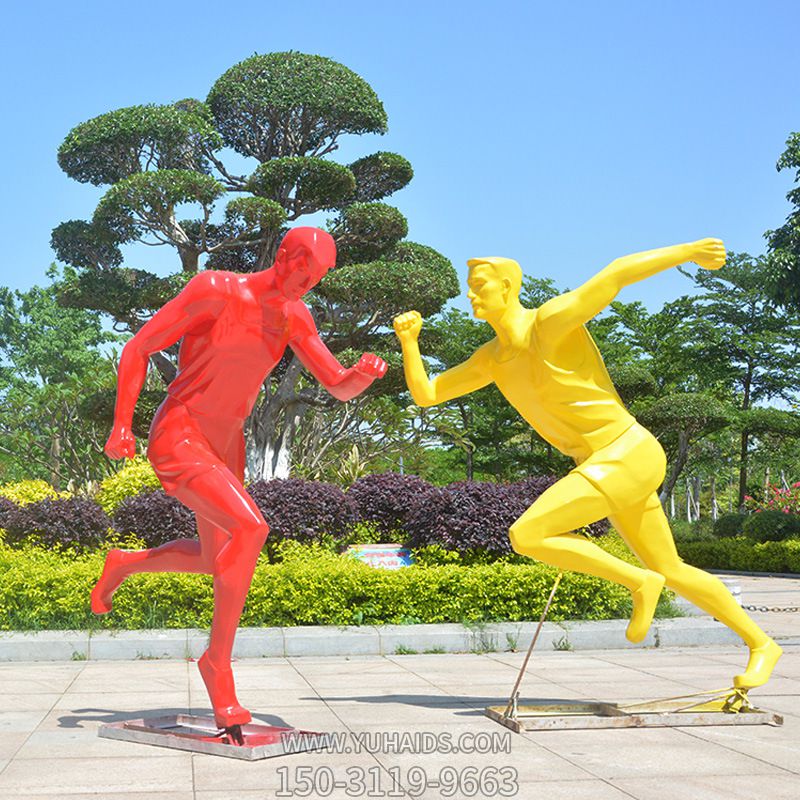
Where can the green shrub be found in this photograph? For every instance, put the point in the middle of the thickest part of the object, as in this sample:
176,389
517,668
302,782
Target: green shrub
434,555
364,533
771,526
742,554
42,589
136,476
684,531
437,555
728,525
25,492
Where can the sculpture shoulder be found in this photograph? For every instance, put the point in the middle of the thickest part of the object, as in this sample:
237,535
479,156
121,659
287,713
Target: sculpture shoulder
299,320
209,291
548,340
216,282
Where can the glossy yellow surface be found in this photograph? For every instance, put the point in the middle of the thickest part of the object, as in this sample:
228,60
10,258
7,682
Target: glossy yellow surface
548,367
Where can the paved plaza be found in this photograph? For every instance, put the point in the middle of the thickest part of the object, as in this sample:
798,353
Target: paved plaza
401,720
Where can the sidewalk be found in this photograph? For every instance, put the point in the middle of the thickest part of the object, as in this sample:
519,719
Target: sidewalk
49,747
400,712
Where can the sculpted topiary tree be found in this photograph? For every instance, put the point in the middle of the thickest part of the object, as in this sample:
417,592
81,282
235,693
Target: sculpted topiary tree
169,185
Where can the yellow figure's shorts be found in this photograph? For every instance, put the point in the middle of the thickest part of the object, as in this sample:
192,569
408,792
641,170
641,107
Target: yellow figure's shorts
628,470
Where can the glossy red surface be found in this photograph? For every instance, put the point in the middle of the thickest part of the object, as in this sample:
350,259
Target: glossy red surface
234,328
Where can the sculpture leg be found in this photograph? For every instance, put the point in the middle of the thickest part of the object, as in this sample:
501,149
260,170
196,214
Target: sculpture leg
646,530
543,532
218,497
180,555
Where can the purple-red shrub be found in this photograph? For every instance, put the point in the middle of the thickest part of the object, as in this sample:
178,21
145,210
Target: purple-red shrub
468,515
6,507
69,522
302,510
155,517
386,498
475,515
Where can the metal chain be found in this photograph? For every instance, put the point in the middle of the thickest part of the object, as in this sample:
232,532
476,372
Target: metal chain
776,609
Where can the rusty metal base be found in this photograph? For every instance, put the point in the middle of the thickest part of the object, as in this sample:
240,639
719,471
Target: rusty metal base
201,735
547,715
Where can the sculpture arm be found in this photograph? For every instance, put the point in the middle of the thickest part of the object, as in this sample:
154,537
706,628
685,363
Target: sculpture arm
570,310
198,301
473,374
342,382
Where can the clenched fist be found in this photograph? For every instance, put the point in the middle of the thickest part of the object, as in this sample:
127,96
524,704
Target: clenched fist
120,444
407,326
709,253
371,365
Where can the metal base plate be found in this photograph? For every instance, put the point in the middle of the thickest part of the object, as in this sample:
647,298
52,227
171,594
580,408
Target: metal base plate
201,735
547,715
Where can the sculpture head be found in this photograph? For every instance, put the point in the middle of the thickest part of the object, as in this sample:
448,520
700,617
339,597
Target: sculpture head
494,283
304,257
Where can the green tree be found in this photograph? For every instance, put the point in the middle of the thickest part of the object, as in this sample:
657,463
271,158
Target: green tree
167,169
747,344
783,243
682,420
50,361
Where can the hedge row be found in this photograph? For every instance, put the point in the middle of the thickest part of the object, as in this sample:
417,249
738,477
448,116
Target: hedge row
743,554
761,526
463,516
42,589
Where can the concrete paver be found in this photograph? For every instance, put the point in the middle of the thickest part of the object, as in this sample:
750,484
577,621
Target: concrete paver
409,712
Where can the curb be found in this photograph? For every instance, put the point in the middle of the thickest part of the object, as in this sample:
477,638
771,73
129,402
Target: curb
739,573
377,640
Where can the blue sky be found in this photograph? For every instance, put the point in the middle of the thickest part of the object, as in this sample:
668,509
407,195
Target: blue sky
561,135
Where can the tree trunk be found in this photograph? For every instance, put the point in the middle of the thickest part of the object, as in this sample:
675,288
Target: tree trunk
55,462
677,467
190,259
692,498
714,504
466,425
745,440
697,487
166,369
743,469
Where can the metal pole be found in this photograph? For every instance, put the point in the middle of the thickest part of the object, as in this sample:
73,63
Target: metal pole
512,701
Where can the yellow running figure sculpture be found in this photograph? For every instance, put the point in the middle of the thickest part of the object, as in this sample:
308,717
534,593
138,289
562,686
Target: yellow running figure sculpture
548,367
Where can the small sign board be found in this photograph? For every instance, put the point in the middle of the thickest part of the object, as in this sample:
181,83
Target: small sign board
385,556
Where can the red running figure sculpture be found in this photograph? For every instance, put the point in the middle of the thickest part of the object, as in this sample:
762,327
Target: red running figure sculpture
235,328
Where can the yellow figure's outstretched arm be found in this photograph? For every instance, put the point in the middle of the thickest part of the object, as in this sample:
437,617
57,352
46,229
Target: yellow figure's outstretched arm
463,379
572,309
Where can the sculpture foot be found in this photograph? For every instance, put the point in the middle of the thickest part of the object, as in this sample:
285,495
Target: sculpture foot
109,582
760,665
219,685
645,600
